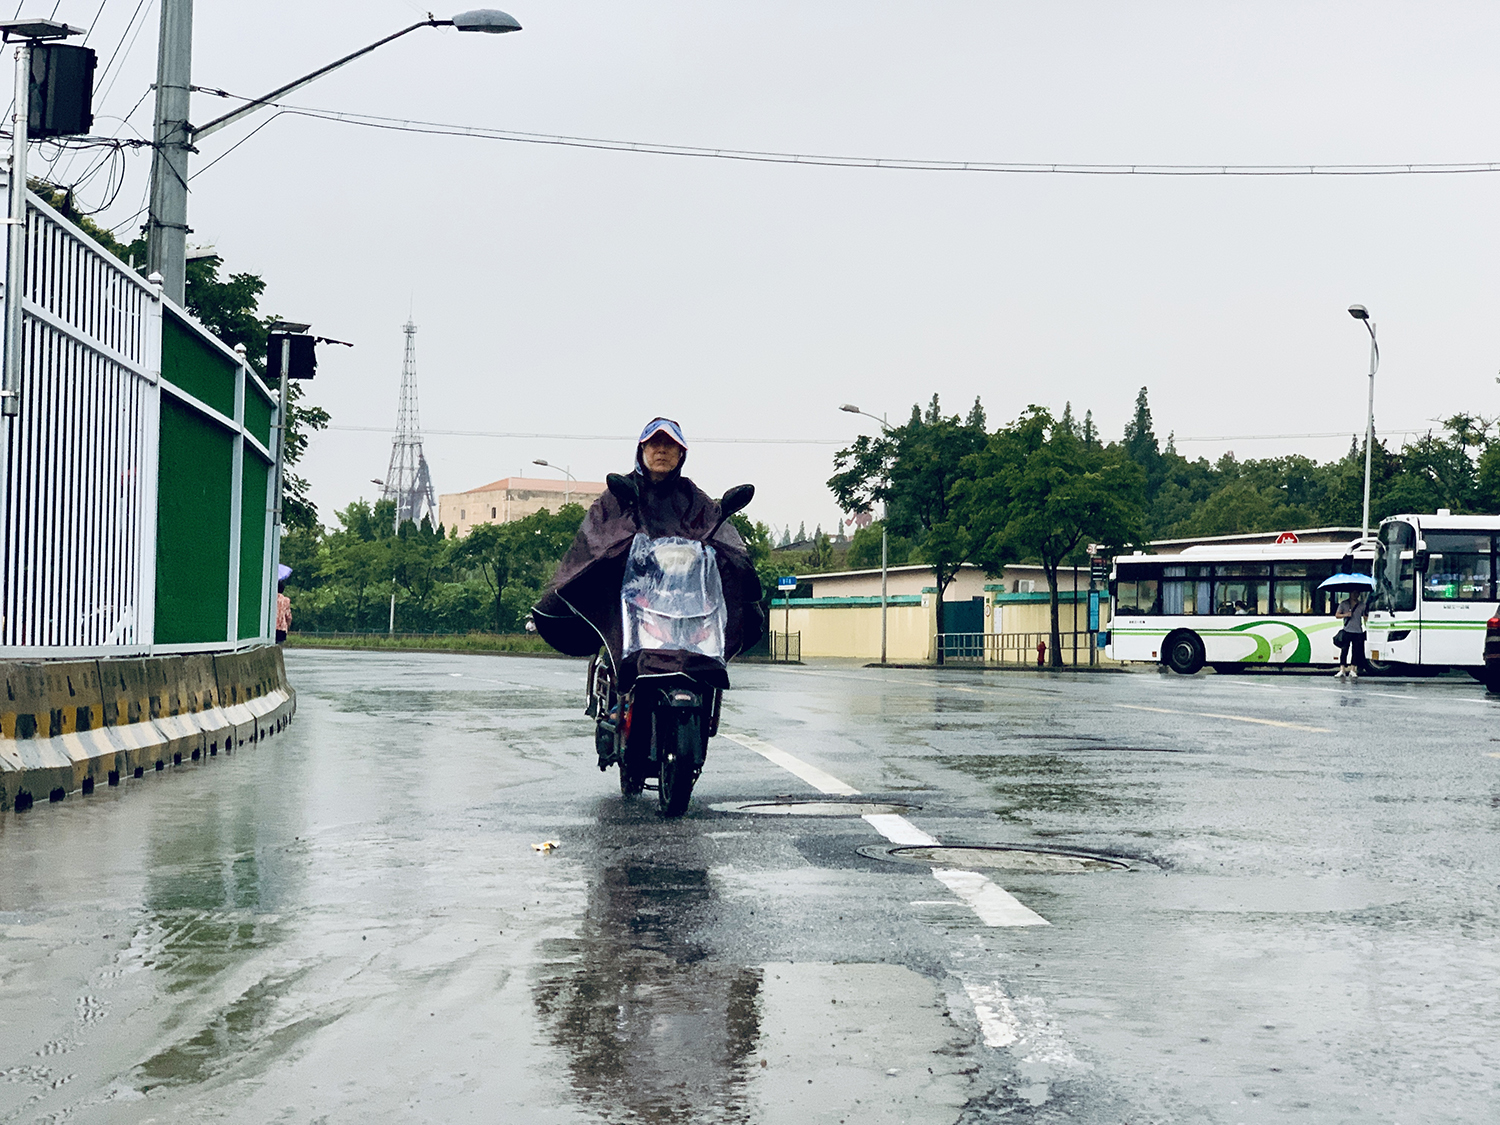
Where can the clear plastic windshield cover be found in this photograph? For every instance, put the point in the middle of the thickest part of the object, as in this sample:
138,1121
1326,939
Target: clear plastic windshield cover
672,598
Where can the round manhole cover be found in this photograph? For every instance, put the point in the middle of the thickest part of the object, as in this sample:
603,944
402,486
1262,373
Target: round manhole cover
1000,858
813,808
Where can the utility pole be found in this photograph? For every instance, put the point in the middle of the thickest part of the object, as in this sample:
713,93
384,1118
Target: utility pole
166,227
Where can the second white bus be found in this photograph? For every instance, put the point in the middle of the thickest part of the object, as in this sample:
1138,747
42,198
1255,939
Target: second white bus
1230,606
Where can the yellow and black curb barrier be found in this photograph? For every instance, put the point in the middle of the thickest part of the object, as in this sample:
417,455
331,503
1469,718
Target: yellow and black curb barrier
67,726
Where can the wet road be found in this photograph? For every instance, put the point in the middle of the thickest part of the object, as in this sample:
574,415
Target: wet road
349,923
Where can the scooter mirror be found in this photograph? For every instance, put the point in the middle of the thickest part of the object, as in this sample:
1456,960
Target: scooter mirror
624,488
736,499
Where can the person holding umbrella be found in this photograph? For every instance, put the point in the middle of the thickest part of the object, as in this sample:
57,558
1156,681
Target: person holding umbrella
1351,638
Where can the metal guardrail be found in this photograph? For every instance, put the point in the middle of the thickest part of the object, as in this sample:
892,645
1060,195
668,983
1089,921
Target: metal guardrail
104,546
786,647
1013,648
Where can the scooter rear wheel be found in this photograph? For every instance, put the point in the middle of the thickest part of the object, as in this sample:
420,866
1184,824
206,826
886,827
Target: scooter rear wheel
679,739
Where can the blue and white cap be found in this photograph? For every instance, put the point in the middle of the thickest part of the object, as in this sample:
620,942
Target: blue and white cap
660,426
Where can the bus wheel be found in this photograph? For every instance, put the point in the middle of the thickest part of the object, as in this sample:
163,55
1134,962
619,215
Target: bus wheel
1184,653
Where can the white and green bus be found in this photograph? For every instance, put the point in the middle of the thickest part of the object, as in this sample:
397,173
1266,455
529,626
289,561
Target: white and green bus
1435,590
1231,606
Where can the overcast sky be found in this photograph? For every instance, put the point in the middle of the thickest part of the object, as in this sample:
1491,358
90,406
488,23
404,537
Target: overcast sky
569,291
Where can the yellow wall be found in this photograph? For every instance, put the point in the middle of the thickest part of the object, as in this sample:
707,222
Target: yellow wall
854,631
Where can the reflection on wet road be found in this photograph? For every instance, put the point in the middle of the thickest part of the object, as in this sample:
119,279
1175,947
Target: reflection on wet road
348,922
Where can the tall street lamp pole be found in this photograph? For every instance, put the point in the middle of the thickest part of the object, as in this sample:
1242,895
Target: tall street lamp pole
1359,312
166,226
850,408
572,480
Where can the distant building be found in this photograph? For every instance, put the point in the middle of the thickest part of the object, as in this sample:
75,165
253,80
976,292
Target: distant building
511,498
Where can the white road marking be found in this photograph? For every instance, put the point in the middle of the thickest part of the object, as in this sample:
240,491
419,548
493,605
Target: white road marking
997,1022
1232,718
993,905
820,780
900,831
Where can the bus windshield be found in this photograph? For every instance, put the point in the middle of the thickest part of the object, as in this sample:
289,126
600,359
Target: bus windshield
1395,570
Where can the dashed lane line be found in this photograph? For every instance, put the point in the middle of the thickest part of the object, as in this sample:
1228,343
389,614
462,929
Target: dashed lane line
1231,718
820,780
991,903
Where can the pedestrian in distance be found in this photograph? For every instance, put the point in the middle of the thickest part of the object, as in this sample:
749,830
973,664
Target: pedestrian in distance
283,612
1352,636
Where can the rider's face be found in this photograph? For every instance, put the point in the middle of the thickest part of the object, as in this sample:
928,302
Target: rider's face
661,455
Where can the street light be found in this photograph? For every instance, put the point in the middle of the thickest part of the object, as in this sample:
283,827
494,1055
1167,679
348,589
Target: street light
850,408
166,225
1359,312
572,480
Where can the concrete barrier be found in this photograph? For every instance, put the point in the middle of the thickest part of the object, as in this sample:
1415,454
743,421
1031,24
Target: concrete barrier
68,726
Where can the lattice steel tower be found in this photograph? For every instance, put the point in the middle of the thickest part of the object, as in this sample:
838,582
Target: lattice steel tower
407,481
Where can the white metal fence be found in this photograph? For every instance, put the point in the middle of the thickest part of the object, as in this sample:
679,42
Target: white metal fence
79,463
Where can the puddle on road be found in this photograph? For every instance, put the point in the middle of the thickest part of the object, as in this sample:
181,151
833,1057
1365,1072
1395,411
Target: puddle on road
650,1027
1272,894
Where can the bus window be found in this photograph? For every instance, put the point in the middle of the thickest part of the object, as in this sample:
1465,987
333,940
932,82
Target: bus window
1137,589
1185,590
1395,576
1293,589
1239,596
1237,591
1460,567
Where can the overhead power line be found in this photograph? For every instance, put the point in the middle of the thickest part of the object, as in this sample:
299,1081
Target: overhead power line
886,163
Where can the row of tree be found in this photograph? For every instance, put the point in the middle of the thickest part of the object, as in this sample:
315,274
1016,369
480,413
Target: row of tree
344,580
1041,488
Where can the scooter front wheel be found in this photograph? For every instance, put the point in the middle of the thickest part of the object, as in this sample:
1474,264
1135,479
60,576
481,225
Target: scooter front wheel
679,741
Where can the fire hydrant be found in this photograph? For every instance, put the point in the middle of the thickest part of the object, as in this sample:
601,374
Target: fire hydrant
1041,653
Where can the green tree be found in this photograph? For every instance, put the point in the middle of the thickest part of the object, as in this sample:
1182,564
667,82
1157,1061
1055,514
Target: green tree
516,559
1037,491
1142,447
864,547
911,471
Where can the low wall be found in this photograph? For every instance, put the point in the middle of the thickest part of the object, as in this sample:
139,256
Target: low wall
848,627
67,726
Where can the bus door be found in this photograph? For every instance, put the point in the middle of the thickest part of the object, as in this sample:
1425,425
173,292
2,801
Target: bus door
1394,625
1458,595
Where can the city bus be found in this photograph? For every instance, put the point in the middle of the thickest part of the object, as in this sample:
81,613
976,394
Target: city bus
1435,590
1232,606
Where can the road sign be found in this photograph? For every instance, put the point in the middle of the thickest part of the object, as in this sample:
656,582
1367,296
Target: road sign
787,582
1287,537
1098,569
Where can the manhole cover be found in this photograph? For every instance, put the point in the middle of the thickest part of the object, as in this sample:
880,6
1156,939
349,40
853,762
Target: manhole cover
813,808
993,857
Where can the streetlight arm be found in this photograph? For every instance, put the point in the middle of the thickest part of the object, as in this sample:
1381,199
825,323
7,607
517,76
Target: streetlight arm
198,132
850,408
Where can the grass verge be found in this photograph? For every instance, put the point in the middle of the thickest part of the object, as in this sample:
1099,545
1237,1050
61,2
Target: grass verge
424,642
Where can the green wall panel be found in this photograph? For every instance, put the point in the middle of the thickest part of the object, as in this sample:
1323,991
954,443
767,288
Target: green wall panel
253,516
192,527
196,365
258,412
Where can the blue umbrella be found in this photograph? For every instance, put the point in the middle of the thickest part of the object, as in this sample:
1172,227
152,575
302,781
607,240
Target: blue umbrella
1348,582
283,572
